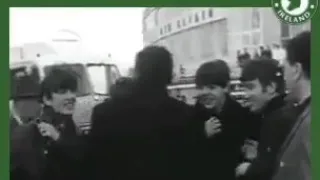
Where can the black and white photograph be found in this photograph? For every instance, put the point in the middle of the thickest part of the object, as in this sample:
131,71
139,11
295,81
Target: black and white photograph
159,93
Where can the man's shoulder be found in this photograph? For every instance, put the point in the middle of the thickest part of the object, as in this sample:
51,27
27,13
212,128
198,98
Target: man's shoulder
23,131
100,107
174,103
167,103
287,111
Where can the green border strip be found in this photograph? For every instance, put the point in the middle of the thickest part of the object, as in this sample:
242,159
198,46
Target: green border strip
315,74
4,91
4,78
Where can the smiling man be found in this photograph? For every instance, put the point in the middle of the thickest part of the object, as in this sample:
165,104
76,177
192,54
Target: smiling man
225,121
264,87
262,81
47,148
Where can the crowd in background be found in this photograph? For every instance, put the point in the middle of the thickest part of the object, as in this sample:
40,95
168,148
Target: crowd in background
275,52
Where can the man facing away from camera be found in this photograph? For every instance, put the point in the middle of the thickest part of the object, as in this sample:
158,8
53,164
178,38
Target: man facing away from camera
46,148
141,135
264,87
228,126
293,159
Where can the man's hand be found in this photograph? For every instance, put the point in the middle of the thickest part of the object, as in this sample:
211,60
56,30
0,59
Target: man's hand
242,169
212,127
48,130
250,149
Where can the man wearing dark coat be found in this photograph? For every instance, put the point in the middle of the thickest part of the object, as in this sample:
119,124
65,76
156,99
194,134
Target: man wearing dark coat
228,126
141,133
294,158
46,148
14,118
264,87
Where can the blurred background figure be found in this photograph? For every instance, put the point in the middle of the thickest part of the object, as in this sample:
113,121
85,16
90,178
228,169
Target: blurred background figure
266,54
278,53
243,57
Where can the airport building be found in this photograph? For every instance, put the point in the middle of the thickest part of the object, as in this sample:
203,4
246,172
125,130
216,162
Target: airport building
197,35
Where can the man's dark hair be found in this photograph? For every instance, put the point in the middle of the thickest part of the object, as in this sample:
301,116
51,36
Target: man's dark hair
154,66
298,51
121,88
57,80
265,71
243,56
216,72
266,54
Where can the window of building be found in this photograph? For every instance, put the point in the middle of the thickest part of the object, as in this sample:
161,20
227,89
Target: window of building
185,41
213,39
178,24
196,18
285,30
169,27
203,15
210,13
246,39
256,20
207,48
222,37
156,20
256,38
184,22
190,19
161,31
296,29
246,16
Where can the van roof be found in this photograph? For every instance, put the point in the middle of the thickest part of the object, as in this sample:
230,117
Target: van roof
53,59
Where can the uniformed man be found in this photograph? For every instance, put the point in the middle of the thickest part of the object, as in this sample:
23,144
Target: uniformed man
264,87
46,148
294,161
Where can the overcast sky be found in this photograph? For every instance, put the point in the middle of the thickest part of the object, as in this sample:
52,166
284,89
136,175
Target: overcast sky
103,30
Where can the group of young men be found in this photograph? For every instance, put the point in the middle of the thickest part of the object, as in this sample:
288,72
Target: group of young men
141,132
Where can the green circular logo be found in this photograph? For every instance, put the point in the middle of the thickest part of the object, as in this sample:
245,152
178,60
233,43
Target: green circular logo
295,11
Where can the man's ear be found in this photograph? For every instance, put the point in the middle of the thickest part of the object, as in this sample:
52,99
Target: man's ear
298,71
46,101
272,88
226,89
